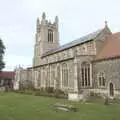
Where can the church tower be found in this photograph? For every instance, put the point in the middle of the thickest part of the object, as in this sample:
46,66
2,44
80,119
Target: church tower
47,38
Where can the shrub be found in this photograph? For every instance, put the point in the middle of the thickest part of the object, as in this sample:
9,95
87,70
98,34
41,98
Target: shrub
60,94
37,93
41,89
26,85
49,89
92,93
94,97
24,91
50,93
116,100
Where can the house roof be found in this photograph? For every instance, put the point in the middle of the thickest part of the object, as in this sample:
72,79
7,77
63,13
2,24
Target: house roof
81,40
111,49
7,74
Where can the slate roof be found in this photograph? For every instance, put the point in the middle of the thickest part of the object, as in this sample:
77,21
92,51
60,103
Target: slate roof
7,74
111,48
81,40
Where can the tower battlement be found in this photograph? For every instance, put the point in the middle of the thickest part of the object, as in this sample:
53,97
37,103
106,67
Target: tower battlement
45,22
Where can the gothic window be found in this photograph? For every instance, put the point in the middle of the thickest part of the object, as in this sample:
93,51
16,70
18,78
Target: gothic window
64,75
52,76
101,79
85,70
71,76
47,76
50,36
58,76
36,77
39,79
43,77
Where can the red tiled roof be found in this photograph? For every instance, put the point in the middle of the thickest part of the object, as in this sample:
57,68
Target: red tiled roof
111,49
7,74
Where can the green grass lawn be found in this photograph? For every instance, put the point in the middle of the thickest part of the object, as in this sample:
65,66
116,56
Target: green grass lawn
27,107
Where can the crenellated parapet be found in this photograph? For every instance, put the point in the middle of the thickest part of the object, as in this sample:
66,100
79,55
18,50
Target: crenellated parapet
45,22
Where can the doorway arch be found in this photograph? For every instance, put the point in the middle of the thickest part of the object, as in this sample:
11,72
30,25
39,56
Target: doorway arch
111,89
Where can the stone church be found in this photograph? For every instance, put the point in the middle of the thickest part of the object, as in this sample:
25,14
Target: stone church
89,63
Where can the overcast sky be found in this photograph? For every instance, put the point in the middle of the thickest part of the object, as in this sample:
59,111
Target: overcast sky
76,18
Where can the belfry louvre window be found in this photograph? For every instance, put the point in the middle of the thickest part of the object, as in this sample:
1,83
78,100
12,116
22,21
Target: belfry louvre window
101,79
85,70
50,36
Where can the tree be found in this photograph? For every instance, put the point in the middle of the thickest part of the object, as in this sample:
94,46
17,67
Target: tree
2,51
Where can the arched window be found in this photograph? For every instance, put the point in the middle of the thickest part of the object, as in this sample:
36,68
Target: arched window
36,77
85,70
111,87
50,36
39,78
58,76
101,79
52,76
64,75
42,76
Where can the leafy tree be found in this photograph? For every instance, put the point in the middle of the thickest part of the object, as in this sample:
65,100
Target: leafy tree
2,51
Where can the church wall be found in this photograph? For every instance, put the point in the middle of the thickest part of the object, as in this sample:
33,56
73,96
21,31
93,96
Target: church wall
86,49
47,74
80,50
111,69
29,75
51,63
23,75
51,75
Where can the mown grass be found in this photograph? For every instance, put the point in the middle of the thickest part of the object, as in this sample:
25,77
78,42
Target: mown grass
27,107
